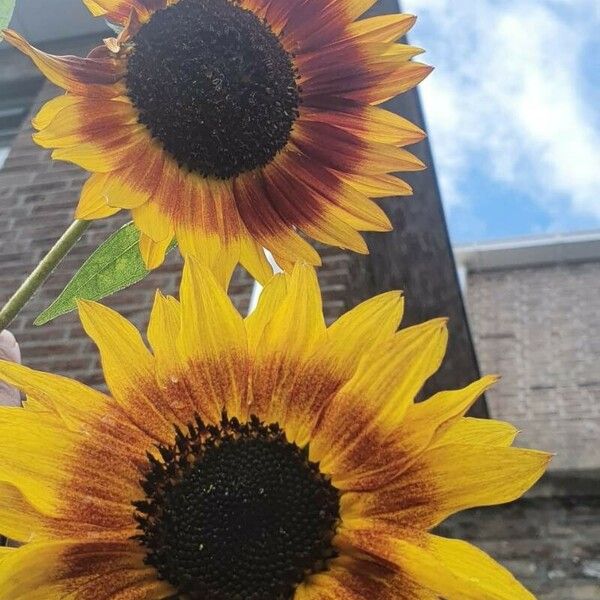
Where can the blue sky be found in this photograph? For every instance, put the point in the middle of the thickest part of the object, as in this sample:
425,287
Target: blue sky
513,111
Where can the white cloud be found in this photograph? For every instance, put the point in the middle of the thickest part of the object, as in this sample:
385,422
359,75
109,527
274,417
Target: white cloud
508,98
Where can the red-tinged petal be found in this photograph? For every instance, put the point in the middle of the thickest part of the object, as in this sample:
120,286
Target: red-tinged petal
208,225
313,24
137,183
306,209
276,13
343,62
373,86
88,122
85,76
266,225
368,122
346,152
343,200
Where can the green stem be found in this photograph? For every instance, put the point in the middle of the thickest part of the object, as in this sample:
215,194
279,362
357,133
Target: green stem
37,277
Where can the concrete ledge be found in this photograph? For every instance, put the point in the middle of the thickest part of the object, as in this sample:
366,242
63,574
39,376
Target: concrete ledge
529,251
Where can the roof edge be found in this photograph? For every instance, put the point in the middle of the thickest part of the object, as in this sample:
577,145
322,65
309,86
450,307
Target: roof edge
530,251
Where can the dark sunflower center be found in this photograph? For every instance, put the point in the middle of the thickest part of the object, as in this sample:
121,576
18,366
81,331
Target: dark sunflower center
236,512
214,85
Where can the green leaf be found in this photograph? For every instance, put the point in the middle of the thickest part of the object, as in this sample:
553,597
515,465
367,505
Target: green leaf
7,7
115,265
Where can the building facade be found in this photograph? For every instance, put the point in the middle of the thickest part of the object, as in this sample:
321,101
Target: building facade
534,310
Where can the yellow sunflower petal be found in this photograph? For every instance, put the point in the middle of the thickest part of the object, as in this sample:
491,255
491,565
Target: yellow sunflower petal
213,342
354,578
352,9
480,575
382,28
337,357
110,155
422,422
120,10
377,397
50,109
254,260
450,478
137,182
72,569
90,120
22,437
271,297
74,402
403,552
94,8
485,432
163,331
153,253
288,339
377,185
128,367
92,203
19,520
445,407
152,222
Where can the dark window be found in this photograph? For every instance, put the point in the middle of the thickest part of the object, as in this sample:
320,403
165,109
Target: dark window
16,100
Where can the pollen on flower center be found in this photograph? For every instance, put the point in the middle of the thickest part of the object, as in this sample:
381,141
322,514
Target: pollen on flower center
214,85
236,511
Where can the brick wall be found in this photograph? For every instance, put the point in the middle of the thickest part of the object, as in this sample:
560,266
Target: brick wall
540,328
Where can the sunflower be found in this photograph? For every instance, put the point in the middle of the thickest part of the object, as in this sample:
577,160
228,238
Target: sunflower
236,124
265,458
